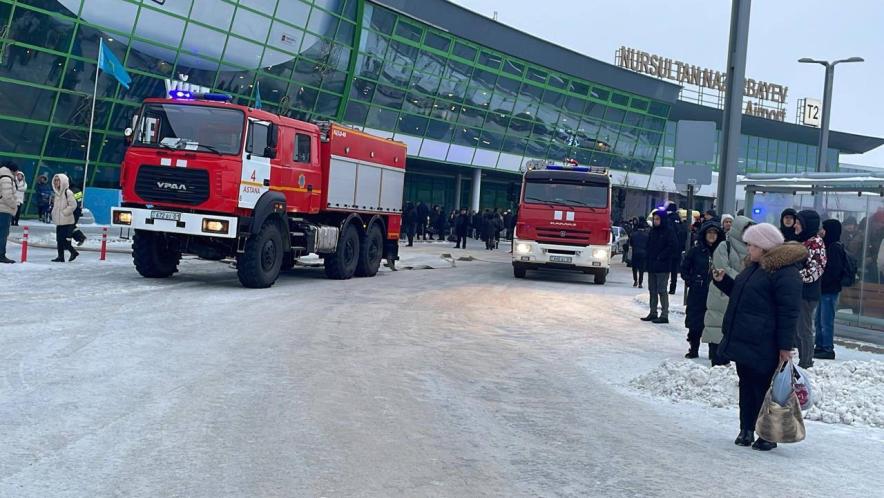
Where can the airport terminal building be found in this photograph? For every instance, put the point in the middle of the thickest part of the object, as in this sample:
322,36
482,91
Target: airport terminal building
472,98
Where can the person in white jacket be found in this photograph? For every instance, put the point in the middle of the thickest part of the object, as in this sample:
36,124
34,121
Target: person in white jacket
21,186
63,207
7,204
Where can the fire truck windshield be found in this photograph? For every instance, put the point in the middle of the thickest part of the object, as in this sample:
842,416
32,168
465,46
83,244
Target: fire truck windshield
191,127
570,194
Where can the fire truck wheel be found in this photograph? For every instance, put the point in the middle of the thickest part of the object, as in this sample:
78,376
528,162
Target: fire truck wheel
600,277
520,271
371,250
153,259
259,265
341,264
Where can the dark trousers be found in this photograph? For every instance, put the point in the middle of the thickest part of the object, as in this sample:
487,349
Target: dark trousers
638,275
804,334
5,220
461,239
657,289
409,232
17,216
63,235
753,387
421,231
694,335
43,211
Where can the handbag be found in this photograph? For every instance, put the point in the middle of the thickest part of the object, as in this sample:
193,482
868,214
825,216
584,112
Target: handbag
780,423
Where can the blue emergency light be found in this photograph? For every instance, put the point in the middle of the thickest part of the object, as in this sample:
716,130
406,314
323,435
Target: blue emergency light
756,211
180,94
187,95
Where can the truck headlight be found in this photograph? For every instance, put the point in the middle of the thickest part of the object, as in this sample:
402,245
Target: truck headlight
215,226
523,248
122,218
600,254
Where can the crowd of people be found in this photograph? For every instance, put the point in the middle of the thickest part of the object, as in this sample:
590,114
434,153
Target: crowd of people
755,291
57,202
489,226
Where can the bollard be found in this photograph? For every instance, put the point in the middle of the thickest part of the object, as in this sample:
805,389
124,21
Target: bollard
24,245
103,255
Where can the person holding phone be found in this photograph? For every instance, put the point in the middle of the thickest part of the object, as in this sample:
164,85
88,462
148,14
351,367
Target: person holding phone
761,319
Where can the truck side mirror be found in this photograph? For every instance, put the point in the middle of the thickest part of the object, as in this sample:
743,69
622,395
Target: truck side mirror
128,134
270,152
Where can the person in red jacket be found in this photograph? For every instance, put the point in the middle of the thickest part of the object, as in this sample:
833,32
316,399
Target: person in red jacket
807,227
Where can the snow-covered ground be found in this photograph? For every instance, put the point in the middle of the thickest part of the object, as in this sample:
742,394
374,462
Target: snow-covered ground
456,381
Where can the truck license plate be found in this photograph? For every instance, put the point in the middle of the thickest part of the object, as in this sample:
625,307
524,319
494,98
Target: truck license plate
165,215
560,259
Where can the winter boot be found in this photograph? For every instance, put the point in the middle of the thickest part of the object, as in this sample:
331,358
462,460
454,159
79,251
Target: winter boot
824,355
6,260
746,438
58,260
662,319
650,318
74,255
694,350
763,445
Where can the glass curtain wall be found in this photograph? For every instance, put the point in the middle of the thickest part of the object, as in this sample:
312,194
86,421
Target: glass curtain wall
296,51
472,105
756,154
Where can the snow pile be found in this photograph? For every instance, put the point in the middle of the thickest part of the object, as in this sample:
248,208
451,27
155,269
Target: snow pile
849,392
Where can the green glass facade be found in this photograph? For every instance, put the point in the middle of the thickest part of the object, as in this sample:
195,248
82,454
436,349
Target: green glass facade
756,154
458,105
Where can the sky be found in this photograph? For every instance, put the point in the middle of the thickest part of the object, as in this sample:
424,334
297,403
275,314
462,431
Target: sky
696,32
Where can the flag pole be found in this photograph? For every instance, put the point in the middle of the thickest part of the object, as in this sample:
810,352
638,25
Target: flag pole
92,118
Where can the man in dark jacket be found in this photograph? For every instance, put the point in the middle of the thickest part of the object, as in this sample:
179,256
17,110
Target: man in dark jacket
44,194
830,287
807,227
423,214
662,245
787,224
638,249
462,228
697,274
409,219
681,234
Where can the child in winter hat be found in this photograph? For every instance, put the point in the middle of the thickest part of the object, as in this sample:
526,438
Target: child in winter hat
763,235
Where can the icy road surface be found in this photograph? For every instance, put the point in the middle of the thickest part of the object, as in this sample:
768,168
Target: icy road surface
458,381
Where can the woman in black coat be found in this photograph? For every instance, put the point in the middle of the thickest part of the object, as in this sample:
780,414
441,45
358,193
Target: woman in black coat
696,272
761,319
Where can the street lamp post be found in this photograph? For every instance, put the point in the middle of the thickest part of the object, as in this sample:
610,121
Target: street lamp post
823,148
822,153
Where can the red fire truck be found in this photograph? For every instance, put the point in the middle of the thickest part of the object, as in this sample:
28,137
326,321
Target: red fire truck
203,176
564,220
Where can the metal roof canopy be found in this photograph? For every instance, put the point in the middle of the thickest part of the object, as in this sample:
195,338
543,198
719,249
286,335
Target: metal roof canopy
872,183
810,183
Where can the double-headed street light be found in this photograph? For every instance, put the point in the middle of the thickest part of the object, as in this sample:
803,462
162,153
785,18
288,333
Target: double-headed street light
827,107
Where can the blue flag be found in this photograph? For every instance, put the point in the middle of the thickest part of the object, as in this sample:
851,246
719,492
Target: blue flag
257,95
109,63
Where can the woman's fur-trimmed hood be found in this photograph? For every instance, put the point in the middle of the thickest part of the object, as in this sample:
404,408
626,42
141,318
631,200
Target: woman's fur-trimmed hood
784,255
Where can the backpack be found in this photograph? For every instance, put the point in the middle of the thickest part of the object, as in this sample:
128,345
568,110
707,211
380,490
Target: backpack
848,274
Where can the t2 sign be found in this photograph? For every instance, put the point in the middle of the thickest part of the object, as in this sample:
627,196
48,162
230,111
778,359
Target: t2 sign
813,112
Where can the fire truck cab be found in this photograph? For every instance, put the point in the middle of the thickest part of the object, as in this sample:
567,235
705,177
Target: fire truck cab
222,181
564,221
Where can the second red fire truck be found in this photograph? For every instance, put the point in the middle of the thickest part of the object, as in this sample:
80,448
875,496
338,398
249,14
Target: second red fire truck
564,220
222,181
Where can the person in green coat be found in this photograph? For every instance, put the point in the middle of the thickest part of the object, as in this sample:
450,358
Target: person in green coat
729,257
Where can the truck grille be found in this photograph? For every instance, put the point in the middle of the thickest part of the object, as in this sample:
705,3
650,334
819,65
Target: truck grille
175,185
564,236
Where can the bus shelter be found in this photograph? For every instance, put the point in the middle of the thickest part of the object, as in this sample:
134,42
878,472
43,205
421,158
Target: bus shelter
855,199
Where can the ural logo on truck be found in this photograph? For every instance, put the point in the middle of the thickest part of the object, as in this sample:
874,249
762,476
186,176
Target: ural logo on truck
226,182
172,186
564,220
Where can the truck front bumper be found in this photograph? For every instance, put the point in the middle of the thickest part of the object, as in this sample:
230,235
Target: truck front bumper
158,220
531,254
